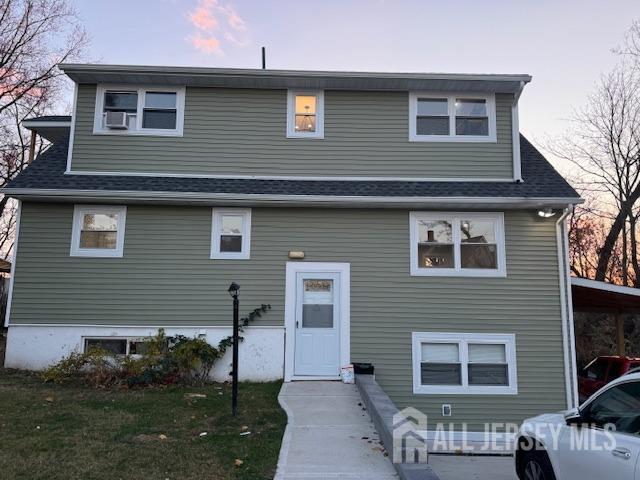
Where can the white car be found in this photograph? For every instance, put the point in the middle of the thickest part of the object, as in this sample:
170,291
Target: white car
598,441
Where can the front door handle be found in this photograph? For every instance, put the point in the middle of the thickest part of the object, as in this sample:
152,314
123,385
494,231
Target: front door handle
621,453
297,324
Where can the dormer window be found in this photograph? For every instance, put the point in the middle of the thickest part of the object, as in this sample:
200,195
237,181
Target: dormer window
305,114
139,111
452,118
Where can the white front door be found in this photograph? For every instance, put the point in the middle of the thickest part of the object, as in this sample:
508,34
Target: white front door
317,324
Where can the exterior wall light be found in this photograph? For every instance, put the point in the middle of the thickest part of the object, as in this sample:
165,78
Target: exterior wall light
546,212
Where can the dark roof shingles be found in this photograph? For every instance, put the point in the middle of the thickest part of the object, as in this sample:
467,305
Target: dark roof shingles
540,181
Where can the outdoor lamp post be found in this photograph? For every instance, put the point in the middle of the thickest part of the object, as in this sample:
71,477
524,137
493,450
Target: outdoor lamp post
233,291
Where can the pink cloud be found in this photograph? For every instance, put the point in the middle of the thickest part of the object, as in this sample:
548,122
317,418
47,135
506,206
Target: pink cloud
218,21
203,19
206,44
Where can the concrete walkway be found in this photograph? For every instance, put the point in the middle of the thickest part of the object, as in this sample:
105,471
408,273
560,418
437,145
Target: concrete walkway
329,435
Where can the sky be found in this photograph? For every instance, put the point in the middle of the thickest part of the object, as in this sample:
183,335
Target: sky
564,44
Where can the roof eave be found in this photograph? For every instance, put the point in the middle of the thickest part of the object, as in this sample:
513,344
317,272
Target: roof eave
291,200
258,78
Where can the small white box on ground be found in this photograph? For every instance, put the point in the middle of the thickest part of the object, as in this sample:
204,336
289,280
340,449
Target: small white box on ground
347,374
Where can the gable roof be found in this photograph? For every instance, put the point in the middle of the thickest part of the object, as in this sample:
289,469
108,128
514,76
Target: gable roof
542,186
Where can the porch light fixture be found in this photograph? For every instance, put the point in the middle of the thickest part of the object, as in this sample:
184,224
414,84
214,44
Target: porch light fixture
546,213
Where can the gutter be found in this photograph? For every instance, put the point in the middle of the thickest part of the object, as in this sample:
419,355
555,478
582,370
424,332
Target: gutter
566,311
279,199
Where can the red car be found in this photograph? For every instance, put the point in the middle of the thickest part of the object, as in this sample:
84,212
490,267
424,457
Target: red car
601,371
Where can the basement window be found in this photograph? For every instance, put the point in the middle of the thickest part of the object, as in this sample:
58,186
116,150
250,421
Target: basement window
475,363
117,346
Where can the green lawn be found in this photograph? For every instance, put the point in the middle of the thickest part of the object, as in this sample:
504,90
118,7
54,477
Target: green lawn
74,432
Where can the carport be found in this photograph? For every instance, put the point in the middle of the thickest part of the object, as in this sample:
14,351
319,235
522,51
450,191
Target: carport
591,296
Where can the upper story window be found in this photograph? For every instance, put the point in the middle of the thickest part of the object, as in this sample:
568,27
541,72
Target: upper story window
305,114
127,110
231,233
457,244
98,231
452,118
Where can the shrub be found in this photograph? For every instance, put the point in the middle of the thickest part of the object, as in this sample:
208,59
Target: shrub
165,360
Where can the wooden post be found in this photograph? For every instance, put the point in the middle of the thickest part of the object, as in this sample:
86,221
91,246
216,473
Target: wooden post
32,147
620,333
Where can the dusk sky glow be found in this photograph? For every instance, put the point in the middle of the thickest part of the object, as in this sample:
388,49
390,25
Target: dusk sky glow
564,45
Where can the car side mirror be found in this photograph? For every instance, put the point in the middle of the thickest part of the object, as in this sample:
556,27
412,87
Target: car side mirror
573,417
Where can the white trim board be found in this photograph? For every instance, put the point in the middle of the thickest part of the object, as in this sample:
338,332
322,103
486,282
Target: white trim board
7,313
345,178
292,269
156,327
608,287
277,199
72,130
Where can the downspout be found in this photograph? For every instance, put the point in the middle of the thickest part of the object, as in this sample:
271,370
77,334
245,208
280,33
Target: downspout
515,135
566,311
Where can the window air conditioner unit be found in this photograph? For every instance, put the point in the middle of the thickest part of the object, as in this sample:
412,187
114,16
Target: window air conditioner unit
116,120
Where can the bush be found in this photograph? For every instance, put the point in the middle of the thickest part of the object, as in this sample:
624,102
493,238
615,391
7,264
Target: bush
165,360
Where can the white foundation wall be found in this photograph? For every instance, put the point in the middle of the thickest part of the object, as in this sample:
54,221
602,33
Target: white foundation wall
261,354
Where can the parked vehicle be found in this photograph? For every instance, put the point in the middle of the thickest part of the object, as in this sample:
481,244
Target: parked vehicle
601,371
580,443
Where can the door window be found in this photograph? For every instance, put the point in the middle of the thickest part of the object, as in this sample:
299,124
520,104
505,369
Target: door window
618,406
317,303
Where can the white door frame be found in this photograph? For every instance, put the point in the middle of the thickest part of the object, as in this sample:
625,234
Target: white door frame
293,268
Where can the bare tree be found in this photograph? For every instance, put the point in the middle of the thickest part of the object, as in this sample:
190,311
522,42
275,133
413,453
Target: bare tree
35,35
604,145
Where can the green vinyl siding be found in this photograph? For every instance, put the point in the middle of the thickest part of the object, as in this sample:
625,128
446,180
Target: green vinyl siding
243,132
167,278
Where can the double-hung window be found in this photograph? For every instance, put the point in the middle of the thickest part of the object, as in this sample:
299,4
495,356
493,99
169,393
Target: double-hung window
457,244
231,233
452,118
305,114
464,363
131,110
98,231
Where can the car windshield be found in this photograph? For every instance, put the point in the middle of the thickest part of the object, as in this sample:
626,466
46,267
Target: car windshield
619,407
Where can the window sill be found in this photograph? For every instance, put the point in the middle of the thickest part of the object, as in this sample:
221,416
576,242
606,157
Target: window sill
459,390
97,253
452,139
139,133
230,256
308,137
449,272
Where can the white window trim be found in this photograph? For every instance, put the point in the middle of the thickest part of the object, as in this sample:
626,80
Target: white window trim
78,214
455,219
291,114
216,219
128,340
452,137
140,89
463,340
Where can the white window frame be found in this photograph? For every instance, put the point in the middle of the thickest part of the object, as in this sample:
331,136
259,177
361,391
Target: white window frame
79,211
98,121
128,340
463,340
451,108
291,114
216,232
455,219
